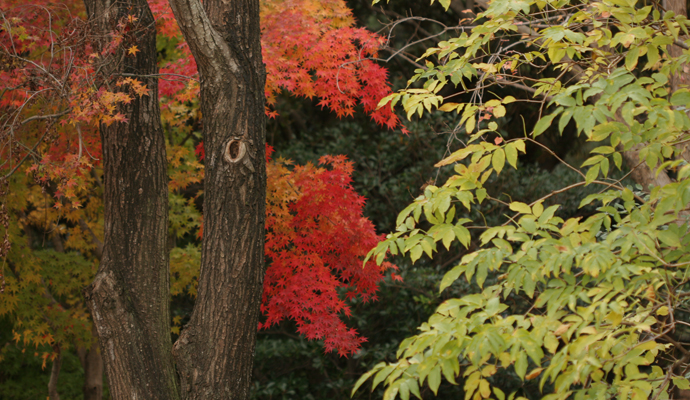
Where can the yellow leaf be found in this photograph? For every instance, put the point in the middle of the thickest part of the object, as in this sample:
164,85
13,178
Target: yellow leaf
469,126
484,389
533,374
662,311
590,330
489,370
456,156
614,318
561,329
448,107
499,111
537,209
133,50
520,207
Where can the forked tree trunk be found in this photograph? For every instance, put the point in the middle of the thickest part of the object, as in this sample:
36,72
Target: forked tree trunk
129,298
215,351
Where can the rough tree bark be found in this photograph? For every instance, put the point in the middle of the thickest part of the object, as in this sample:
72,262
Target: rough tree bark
129,298
215,352
130,294
92,363
54,375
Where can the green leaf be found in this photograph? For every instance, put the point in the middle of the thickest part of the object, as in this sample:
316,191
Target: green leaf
520,145
547,214
680,97
416,253
603,150
681,383
592,160
381,375
522,208
499,111
618,160
511,154
498,160
386,99
451,276
448,238
652,56
551,343
426,246
481,195
592,174
521,365
545,122
435,379
537,209
366,376
404,389
471,123
565,118
669,238
631,58
448,107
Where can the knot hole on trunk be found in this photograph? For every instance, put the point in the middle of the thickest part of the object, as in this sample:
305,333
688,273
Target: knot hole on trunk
234,150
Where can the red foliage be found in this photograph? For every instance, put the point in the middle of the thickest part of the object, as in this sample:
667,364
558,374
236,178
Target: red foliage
311,49
316,239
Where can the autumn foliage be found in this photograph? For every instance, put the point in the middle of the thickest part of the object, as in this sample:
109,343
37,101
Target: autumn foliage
310,48
316,237
53,101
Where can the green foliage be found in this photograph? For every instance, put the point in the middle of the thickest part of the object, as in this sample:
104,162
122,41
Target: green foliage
23,378
606,293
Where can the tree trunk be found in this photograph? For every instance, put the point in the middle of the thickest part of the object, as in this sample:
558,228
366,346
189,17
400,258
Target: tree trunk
54,375
215,351
129,298
92,363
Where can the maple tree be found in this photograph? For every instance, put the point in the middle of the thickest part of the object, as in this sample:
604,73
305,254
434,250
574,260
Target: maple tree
97,76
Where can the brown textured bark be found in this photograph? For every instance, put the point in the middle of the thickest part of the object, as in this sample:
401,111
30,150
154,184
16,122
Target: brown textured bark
92,363
54,375
129,298
215,351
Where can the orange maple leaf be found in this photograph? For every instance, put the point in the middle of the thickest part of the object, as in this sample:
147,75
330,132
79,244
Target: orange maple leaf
133,50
